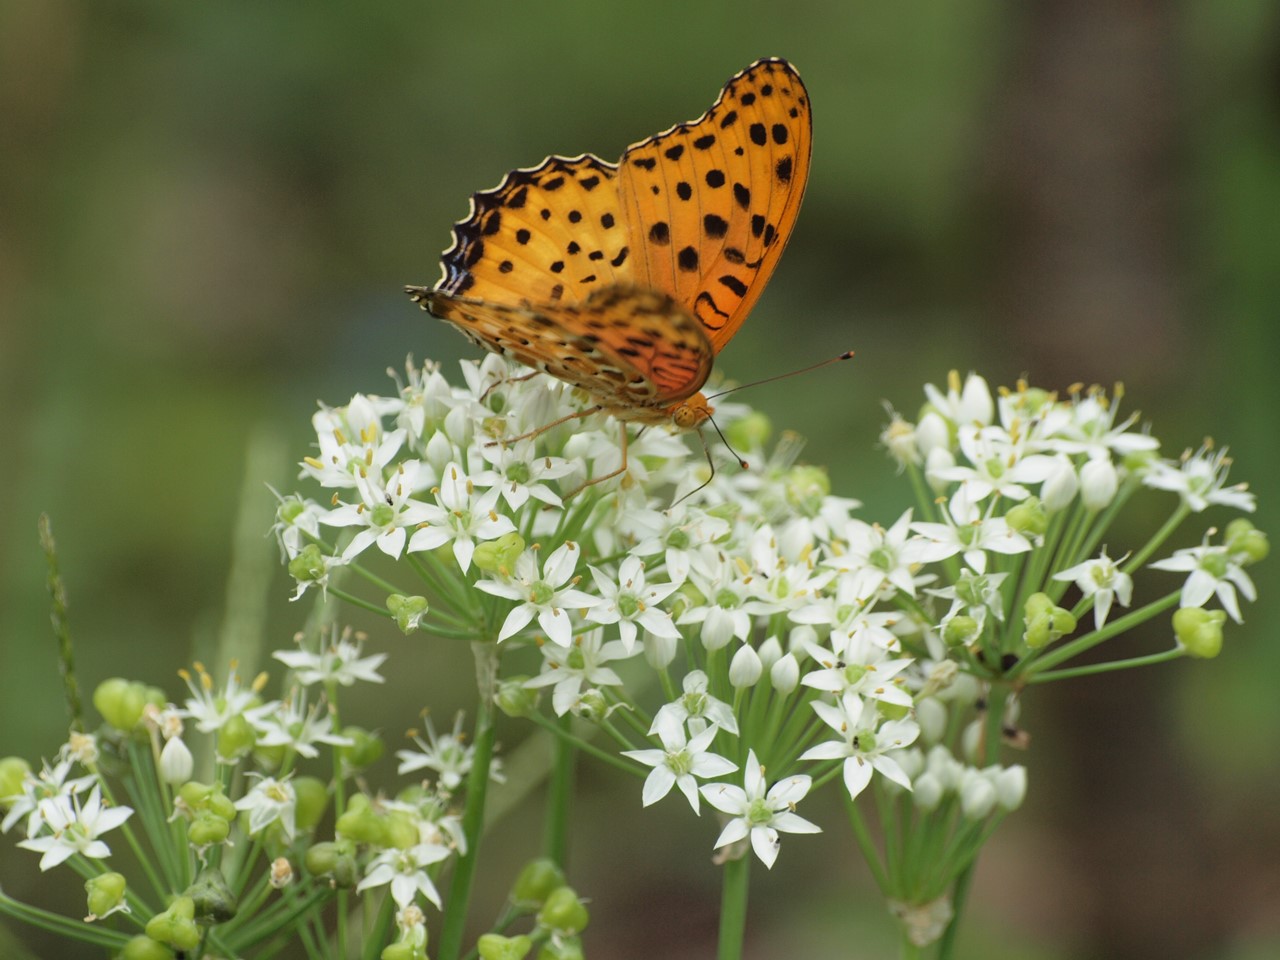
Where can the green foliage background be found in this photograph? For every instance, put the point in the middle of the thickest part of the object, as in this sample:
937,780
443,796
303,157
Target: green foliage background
207,212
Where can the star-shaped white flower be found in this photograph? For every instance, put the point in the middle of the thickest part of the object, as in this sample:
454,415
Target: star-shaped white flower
406,871
577,667
628,601
339,662
758,814
1212,570
268,801
679,762
696,707
461,514
547,595
74,827
1200,479
386,511
967,532
1102,580
865,740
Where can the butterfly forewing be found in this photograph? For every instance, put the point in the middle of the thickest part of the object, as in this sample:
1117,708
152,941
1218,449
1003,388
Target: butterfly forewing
546,234
715,200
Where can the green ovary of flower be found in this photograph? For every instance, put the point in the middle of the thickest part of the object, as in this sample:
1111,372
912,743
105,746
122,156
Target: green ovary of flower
1214,564
972,590
291,510
575,660
1102,574
678,540
628,605
541,593
727,599
882,558
679,762
695,703
865,741
381,516
758,811
966,534
995,468
518,472
853,674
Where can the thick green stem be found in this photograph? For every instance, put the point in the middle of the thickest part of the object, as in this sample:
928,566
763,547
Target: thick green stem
733,908
560,796
455,915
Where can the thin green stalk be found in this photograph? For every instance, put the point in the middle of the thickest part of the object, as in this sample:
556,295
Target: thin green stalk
960,893
1095,637
733,908
455,915
373,944
602,755
866,844
1158,538
60,925
559,796
360,602
1110,666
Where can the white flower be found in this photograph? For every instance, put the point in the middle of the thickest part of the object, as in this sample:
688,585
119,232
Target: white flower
352,443
210,708
1088,425
1212,570
51,782
899,438
339,662
861,668
997,465
1101,579
758,814
546,596
268,801
1200,480
406,871
578,666
520,473
679,762
628,601
970,403
74,827
297,523
968,533
696,707
462,515
879,558
386,512
176,762
1099,481
446,754
290,723
864,742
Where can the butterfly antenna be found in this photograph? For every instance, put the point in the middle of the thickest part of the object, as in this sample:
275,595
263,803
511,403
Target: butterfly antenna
725,440
847,355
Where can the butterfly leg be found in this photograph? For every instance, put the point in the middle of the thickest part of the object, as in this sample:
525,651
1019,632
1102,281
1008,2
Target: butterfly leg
611,474
580,415
497,383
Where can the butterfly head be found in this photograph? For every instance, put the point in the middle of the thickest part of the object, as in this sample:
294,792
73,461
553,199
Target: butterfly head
692,413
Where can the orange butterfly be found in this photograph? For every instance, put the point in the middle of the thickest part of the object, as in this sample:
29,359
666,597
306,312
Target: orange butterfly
626,280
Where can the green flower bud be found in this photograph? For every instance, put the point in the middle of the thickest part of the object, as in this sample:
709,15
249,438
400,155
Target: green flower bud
1246,541
13,771
491,946
960,631
335,860
207,829
104,893
536,881
308,566
362,825
752,432
1028,517
312,798
408,611
176,926
566,948
1199,631
402,830
144,948
402,951
211,896
592,706
499,555
1045,623
120,702
236,738
806,488
514,698
366,748
563,912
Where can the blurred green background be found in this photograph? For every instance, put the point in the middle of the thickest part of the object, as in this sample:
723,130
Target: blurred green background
207,212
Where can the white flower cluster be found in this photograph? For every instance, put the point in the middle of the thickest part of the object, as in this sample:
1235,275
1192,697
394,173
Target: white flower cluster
803,634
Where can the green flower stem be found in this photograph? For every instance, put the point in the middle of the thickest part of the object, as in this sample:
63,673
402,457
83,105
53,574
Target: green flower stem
373,944
825,774
455,915
886,810
1033,668
269,923
560,796
1103,523
908,950
355,601
62,926
1095,668
925,499
360,570
865,843
1158,538
959,896
733,908
158,886
617,735
152,796
604,756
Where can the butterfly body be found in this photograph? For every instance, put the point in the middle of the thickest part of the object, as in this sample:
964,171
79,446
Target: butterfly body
627,279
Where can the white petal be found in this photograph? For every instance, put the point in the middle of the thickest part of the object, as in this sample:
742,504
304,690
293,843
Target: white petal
764,841
857,774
